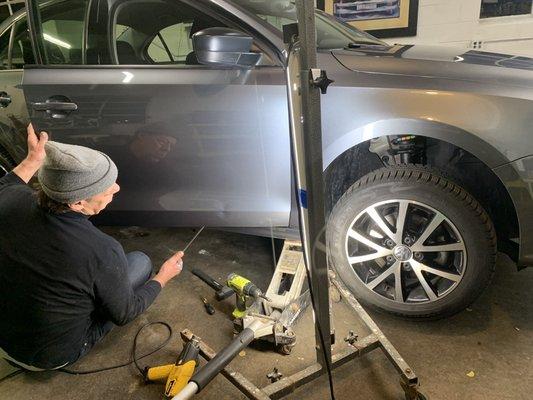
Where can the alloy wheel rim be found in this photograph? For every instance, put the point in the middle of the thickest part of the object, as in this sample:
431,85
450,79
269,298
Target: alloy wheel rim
406,251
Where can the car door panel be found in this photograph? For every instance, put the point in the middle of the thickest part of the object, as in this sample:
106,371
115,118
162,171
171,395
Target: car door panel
13,113
208,143
194,145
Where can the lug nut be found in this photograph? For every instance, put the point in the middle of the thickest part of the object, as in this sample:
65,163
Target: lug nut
418,255
389,243
390,258
409,240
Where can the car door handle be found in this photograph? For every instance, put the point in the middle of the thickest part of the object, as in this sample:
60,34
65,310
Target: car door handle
55,106
5,99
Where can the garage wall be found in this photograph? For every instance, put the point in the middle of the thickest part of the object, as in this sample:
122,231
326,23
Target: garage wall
457,22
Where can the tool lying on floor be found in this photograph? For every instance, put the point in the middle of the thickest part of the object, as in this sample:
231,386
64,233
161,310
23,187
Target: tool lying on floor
221,291
243,289
208,307
176,375
241,286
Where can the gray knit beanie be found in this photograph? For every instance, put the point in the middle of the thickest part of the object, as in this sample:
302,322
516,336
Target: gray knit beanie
72,173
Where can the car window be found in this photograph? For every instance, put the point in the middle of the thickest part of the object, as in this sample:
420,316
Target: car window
4,49
62,31
158,32
172,44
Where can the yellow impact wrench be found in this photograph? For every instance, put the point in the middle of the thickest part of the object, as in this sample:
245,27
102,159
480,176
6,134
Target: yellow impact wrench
176,375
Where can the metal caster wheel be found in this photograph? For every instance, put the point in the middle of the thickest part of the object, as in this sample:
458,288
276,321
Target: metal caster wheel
411,392
285,349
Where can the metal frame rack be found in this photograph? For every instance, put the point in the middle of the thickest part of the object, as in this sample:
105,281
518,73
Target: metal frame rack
306,135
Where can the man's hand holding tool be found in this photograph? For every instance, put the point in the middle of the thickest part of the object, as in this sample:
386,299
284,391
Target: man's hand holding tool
173,266
170,268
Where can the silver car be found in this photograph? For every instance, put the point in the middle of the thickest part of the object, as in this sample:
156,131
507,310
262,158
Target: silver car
427,150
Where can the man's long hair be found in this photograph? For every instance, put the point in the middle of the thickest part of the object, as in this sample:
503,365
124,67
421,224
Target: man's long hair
50,205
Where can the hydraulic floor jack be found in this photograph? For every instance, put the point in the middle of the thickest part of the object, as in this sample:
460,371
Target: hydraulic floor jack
274,313
275,317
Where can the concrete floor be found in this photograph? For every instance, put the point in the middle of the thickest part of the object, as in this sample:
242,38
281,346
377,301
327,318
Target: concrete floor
492,341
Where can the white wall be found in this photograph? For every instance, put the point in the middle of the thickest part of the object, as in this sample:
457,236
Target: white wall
457,22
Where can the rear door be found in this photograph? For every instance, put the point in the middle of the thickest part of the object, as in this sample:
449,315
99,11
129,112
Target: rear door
194,144
15,51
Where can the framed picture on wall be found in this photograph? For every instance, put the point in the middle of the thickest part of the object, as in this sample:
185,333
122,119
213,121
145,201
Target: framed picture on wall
502,8
381,18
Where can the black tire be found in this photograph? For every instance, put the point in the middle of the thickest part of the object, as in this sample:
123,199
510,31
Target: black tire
426,186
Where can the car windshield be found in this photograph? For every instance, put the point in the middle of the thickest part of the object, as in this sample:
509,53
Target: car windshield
331,34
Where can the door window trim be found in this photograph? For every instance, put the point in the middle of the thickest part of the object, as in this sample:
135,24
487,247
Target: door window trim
10,48
33,16
85,36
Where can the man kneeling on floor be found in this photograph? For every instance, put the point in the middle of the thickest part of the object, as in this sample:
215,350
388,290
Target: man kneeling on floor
63,283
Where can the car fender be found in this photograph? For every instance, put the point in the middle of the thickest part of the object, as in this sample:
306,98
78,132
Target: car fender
420,127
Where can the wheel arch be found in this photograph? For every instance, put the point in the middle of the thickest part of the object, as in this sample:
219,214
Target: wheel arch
460,155
418,127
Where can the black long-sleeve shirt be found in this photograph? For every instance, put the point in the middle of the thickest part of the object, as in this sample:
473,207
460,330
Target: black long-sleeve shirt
57,274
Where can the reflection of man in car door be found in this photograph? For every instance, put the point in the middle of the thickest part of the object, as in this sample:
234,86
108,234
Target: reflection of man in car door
152,147
147,164
144,158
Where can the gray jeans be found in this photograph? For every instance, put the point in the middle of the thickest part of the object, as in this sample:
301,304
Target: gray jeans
139,272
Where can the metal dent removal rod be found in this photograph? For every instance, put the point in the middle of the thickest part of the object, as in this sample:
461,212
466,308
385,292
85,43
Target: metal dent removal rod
193,239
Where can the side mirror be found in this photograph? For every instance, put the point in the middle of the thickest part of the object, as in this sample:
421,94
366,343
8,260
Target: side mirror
224,47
